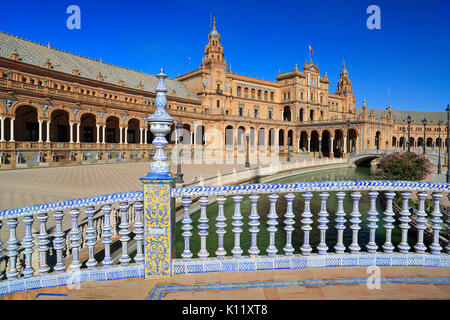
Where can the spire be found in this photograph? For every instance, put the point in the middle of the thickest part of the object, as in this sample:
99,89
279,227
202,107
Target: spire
214,23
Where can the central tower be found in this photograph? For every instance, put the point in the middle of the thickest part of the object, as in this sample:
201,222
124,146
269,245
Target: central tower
214,50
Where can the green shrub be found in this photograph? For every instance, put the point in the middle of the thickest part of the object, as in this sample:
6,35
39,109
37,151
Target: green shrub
403,166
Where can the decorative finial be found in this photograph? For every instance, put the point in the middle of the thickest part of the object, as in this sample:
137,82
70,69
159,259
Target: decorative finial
214,23
160,123
296,68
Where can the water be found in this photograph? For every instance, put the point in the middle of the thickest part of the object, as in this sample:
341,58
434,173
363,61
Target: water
298,205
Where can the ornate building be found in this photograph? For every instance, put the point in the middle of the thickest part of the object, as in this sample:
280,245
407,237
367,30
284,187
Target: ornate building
59,108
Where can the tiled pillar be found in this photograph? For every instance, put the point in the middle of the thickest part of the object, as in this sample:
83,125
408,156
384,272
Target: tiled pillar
158,216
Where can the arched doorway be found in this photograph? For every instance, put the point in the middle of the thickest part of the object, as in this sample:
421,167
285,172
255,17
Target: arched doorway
353,137
88,128
287,113
59,126
241,137
290,138
338,143
326,143
314,141
303,142
200,135
394,142
26,125
112,129
378,141
229,137
301,115
261,136
133,131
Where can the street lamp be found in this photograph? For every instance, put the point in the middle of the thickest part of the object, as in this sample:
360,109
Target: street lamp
288,155
247,137
448,144
179,175
409,132
348,135
424,121
403,146
440,142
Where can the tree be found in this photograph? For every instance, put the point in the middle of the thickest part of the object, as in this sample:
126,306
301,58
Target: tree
403,166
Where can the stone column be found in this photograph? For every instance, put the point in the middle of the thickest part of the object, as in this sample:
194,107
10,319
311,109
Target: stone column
120,135
71,132
48,131
12,130
345,145
78,132
98,133
145,136
126,135
309,144
104,130
2,135
40,130
140,135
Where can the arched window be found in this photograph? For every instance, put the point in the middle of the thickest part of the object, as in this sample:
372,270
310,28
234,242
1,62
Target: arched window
246,92
265,95
271,96
259,94
253,93
238,91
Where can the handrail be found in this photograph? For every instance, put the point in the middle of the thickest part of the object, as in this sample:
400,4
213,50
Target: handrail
71,204
313,186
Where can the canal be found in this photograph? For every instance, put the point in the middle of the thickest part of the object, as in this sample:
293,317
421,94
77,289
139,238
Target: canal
298,205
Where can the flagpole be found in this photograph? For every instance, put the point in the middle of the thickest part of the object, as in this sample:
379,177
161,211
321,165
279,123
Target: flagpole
309,53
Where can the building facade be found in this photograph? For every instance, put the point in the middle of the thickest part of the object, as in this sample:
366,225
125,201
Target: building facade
58,108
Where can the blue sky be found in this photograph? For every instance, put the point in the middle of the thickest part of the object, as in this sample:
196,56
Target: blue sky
410,55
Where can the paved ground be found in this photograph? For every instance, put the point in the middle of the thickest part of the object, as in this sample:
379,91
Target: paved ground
138,289
25,187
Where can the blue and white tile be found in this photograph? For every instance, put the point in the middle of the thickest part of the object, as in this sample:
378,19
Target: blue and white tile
282,263
431,261
229,265
315,261
212,266
350,260
247,265
299,262
264,264
383,260
333,261
17,285
194,267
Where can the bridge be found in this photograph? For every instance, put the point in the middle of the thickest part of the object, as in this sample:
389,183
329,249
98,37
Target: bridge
366,156
83,245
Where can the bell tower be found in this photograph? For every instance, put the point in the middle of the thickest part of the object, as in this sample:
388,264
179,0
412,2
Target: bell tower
344,84
214,50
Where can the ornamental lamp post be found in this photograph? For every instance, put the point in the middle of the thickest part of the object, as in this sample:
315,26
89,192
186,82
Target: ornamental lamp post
409,132
179,175
348,135
424,121
247,137
403,146
440,142
448,144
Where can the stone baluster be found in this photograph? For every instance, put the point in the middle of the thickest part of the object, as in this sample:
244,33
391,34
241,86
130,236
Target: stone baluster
355,221
106,235
2,256
91,238
221,225
373,219
75,237
289,222
404,219
340,220
435,247
139,232
323,214
59,242
67,246
272,222
237,224
306,224
124,234
28,246
43,241
187,227
447,247
203,227
12,248
254,223
113,222
389,214
421,220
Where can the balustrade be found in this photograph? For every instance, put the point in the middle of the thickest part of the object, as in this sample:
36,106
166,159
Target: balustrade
144,219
